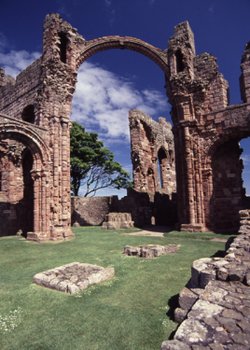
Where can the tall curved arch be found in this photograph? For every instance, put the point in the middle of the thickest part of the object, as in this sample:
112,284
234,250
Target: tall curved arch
123,42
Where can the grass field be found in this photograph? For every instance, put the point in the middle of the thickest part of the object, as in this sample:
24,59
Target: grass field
128,312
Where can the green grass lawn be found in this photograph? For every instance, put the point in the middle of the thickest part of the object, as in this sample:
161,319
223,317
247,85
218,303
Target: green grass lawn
128,312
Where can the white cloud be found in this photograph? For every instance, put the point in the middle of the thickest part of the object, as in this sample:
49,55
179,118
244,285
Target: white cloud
245,158
15,61
102,101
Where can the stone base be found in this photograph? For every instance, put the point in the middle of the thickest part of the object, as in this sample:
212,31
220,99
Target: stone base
57,235
150,250
118,220
193,228
73,278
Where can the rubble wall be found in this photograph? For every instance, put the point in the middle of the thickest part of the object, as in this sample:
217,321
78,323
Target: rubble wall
214,309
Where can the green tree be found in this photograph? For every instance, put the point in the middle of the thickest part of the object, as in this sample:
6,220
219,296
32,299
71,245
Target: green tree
92,165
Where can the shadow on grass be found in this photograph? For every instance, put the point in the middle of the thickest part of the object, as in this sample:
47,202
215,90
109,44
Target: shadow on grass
173,304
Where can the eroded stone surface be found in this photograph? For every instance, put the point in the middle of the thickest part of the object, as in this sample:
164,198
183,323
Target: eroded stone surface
74,277
118,220
220,317
150,250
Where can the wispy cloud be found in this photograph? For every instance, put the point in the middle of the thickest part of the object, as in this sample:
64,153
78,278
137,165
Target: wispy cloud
246,158
62,10
108,3
15,61
3,41
102,101
110,10
211,8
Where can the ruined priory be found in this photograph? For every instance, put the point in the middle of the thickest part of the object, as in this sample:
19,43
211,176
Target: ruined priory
201,161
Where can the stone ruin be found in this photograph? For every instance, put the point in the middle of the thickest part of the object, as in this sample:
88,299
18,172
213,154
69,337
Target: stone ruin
117,221
35,113
214,307
150,251
74,277
35,124
153,198
152,154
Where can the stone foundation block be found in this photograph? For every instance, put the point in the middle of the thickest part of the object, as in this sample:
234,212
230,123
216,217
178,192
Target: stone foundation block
73,278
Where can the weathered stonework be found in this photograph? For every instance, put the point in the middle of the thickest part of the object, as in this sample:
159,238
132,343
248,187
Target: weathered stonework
207,132
118,220
214,308
73,278
35,112
150,251
90,210
152,153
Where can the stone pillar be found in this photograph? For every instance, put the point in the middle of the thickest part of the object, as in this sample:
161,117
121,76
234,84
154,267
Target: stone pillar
41,231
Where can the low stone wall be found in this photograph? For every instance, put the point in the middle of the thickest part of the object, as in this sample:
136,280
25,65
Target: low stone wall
90,210
215,307
144,210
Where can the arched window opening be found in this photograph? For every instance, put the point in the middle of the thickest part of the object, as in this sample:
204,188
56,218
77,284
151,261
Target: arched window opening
161,166
180,66
151,180
28,114
63,45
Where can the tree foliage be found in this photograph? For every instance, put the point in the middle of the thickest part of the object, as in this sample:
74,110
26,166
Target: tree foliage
92,165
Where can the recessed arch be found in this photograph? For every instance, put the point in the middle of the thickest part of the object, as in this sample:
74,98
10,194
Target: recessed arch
20,132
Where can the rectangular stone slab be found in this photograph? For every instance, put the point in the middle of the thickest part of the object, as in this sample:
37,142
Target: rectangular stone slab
74,277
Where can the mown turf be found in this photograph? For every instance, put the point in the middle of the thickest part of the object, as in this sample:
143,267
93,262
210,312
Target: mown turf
128,312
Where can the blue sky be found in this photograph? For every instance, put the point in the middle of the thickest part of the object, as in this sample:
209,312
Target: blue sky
112,82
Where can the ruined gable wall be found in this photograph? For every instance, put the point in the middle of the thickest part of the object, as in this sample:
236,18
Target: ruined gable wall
148,138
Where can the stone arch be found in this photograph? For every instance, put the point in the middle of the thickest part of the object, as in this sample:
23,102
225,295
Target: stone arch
27,135
35,171
91,47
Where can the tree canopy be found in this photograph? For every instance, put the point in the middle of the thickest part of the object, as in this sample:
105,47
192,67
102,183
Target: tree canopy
92,165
